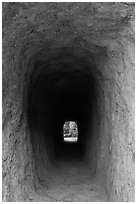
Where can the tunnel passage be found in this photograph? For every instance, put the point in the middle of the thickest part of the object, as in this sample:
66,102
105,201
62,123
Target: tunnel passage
68,61
61,88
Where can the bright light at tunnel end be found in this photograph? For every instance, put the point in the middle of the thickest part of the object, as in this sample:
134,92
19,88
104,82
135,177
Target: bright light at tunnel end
70,131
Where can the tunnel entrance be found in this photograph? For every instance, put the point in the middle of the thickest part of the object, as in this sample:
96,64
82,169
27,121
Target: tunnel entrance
62,89
70,131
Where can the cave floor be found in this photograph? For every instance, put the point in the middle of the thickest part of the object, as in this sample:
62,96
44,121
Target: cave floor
71,182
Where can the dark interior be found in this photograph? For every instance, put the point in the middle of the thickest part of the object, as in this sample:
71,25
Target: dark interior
61,89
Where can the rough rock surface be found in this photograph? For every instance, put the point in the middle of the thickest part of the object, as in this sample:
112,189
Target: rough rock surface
51,47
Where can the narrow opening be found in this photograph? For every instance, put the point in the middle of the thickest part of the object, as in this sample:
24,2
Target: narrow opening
64,95
70,131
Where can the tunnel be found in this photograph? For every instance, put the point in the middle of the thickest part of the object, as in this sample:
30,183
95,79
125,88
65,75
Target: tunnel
68,92
66,61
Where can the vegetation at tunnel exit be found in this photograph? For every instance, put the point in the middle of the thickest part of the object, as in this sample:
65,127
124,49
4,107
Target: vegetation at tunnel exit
70,129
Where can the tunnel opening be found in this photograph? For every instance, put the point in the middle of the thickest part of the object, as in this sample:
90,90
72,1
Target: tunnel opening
70,131
61,88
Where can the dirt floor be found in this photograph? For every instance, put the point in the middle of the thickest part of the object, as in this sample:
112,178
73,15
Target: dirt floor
70,181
